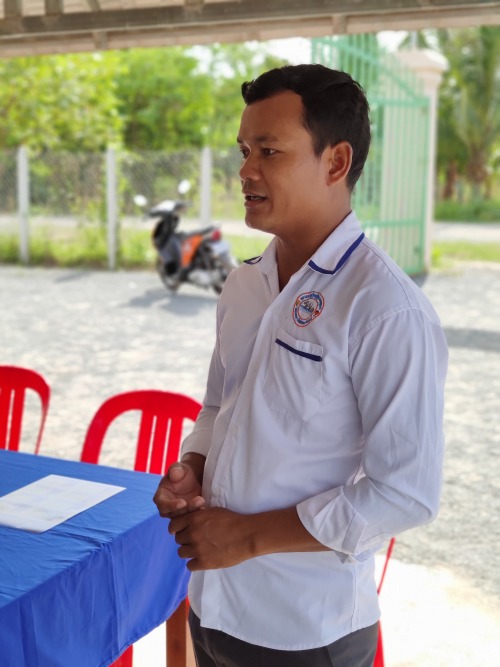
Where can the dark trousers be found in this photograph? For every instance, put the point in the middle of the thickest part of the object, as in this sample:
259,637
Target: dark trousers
213,648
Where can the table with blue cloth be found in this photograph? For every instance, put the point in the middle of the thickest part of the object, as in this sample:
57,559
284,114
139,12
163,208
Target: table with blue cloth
81,592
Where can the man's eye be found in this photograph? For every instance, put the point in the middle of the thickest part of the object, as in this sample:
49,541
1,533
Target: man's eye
269,151
244,153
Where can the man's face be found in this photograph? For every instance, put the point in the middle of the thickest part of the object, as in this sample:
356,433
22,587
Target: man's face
284,182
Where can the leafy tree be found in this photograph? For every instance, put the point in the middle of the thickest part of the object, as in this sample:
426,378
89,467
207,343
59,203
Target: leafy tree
177,97
164,99
469,104
154,99
472,93
63,102
228,66
452,153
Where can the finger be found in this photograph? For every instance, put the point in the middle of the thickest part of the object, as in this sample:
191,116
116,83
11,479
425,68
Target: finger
177,524
194,565
196,504
182,538
173,515
164,494
168,507
177,472
187,551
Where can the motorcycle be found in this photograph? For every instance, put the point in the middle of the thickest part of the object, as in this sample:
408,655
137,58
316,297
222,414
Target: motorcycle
199,257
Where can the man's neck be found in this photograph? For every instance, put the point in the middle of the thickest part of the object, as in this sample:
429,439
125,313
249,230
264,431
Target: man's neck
292,253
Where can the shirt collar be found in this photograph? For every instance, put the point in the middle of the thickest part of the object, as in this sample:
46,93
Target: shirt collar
329,257
268,259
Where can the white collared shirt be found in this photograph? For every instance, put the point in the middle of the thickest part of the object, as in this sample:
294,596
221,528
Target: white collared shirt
326,396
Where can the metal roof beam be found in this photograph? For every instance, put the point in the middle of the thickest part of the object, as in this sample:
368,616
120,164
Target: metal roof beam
228,21
213,16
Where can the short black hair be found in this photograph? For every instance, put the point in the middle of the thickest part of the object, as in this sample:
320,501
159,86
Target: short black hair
335,107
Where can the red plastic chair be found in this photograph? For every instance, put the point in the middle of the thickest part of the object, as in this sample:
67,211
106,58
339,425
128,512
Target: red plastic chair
14,382
158,445
379,655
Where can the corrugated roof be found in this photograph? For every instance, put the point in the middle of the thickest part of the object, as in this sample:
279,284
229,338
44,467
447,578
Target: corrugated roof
51,26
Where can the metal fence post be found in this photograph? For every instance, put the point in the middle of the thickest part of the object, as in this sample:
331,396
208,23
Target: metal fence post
23,198
205,186
111,206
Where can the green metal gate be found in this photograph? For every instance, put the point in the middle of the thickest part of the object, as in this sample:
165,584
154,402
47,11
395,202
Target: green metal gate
390,197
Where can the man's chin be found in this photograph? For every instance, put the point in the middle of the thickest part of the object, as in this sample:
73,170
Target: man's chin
258,223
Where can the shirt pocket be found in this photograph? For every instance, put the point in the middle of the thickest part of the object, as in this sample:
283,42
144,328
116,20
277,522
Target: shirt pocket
292,385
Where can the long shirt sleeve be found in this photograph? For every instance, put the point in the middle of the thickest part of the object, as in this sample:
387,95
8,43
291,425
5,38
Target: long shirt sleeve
398,369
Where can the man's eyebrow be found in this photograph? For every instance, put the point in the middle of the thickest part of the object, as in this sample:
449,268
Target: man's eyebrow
260,139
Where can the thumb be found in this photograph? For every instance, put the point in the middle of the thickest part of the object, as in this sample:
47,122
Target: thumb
177,472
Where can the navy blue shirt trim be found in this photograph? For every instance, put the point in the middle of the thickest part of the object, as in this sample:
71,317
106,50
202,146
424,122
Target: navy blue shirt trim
253,260
341,261
307,355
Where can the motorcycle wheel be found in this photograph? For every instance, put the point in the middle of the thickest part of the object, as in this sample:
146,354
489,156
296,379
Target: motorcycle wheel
170,282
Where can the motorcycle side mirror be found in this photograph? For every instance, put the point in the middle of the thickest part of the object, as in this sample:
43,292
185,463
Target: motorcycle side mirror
184,187
140,200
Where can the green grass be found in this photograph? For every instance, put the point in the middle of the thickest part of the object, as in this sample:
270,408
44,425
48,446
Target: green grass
473,211
9,248
85,246
244,247
445,253
136,249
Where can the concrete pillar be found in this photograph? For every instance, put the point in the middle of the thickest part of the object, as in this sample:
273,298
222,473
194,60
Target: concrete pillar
429,67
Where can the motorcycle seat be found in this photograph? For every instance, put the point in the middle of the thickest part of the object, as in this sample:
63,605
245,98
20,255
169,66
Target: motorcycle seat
197,232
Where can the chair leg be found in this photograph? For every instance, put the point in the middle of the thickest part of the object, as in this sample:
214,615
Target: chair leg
126,658
379,655
176,637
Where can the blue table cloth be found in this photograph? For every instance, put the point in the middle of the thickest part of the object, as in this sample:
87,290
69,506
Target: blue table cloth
80,593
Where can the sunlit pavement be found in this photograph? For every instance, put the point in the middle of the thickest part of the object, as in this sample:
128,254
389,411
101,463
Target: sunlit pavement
93,334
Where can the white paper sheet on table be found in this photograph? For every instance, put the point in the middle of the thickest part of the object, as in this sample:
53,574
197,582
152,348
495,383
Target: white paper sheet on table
50,501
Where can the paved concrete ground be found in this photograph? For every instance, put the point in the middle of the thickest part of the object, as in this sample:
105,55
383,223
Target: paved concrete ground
93,334
470,231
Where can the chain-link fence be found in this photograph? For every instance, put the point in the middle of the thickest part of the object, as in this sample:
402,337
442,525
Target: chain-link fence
8,181
157,175
72,187
54,195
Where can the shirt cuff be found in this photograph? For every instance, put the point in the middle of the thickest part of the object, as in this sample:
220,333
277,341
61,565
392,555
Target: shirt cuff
197,442
333,521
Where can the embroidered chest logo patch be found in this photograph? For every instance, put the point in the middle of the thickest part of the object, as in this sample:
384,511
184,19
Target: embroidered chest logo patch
307,307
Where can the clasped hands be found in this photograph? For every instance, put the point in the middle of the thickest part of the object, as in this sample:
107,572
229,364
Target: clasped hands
209,538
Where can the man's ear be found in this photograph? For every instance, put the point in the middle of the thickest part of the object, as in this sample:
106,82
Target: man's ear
339,160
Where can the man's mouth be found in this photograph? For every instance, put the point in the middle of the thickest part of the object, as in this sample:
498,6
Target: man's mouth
254,198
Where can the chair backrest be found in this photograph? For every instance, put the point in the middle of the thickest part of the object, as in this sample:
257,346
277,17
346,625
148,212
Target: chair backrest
14,381
379,660
160,428
386,563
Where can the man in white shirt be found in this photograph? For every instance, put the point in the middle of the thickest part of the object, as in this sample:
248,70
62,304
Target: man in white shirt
321,430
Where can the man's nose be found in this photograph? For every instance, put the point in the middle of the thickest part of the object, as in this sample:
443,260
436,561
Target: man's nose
249,169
